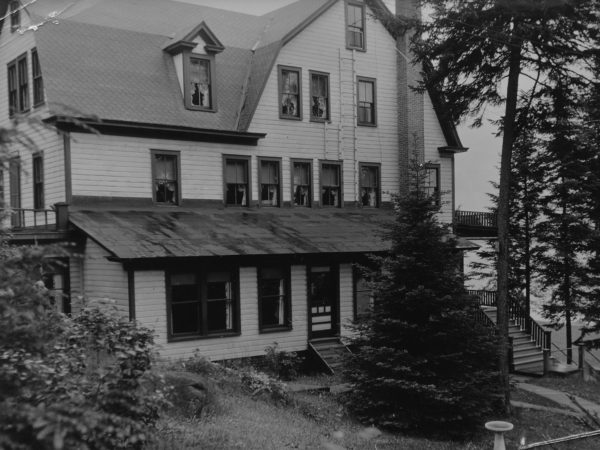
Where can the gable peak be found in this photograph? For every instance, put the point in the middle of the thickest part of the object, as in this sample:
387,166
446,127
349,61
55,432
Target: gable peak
189,40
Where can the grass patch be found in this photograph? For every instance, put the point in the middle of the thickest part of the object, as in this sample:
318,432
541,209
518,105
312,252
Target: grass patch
235,417
571,384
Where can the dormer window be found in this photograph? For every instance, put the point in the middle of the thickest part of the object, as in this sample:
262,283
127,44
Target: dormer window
15,16
199,93
194,58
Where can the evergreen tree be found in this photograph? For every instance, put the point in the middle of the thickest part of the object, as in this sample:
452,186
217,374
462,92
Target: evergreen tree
564,230
474,47
422,361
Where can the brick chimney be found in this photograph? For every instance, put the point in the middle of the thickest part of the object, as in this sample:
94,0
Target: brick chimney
411,126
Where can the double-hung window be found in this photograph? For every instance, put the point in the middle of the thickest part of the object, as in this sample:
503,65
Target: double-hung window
18,85
202,304
319,96
237,180
355,25
15,16
200,92
301,182
38,181
14,181
331,184
370,192
165,177
431,182
290,92
269,181
274,298
367,102
38,82
363,295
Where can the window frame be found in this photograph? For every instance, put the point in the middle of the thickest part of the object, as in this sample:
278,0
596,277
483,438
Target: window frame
377,167
15,190
372,82
177,155
2,190
340,166
356,276
287,306
363,30
248,161
200,287
277,161
437,191
15,16
18,94
37,178
37,79
313,118
280,92
188,56
309,162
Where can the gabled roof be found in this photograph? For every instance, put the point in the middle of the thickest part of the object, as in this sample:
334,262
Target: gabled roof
105,58
212,43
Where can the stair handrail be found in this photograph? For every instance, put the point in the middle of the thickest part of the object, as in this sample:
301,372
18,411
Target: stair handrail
516,312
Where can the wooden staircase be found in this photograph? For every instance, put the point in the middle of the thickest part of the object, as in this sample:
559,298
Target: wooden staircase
330,351
527,356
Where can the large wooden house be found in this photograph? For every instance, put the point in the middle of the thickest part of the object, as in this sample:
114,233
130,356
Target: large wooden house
218,173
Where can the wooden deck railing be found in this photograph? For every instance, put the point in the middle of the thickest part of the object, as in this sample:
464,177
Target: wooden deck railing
517,313
475,223
27,219
37,218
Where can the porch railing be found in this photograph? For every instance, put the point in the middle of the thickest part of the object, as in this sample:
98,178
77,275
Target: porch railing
25,219
475,223
37,218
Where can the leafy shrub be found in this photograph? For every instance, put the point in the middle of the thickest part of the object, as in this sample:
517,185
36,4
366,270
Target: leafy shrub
198,364
262,385
81,382
283,364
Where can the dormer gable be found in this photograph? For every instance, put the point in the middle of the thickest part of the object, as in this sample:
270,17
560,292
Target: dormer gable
194,59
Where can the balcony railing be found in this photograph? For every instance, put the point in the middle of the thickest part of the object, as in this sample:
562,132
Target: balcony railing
476,224
26,220
21,218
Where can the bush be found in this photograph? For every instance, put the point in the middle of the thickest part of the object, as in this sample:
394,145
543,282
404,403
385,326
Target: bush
281,363
80,382
259,384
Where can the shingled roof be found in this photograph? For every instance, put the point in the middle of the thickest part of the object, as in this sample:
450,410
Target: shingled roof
130,235
105,59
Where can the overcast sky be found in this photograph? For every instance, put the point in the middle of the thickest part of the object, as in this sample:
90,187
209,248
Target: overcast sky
474,169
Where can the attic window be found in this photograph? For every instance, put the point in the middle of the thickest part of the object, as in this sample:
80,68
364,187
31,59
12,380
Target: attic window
199,89
15,16
355,26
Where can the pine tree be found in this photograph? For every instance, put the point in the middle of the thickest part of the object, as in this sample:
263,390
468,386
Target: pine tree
422,361
565,229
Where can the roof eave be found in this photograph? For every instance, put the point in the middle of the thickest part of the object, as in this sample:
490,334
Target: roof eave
122,128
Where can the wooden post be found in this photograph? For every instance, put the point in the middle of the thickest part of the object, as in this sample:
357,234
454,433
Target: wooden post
546,350
581,356
62,216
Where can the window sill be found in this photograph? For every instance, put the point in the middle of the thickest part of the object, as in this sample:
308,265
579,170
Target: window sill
365,124
358,49
290,118
317,120
37,105
275,329
197,337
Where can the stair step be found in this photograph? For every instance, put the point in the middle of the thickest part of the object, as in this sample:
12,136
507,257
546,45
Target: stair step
528,348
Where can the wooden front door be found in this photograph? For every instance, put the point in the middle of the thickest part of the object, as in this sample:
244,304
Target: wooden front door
323,288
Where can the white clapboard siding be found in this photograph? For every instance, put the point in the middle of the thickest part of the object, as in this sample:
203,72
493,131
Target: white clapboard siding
116,166
434,138
346,298
104,279
151,311
319,48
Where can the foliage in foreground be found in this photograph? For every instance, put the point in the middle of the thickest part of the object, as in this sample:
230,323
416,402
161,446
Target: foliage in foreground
79,382
422,363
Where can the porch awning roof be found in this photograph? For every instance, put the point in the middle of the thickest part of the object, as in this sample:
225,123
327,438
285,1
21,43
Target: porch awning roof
174,233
